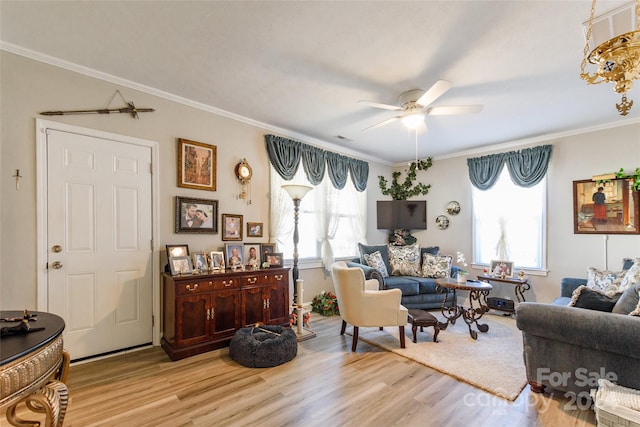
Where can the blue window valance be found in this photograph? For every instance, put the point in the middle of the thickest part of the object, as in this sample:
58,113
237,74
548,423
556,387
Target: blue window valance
285,156
526,167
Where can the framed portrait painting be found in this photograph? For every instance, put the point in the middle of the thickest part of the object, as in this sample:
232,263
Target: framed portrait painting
235,255
252,256
196,215
196,165
265,249
231,227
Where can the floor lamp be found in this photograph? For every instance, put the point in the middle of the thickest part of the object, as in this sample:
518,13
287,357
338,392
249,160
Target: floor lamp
297,193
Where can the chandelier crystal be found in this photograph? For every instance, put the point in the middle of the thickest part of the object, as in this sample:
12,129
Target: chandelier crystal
618,60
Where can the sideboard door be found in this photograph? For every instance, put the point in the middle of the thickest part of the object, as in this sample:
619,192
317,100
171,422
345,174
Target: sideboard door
192,325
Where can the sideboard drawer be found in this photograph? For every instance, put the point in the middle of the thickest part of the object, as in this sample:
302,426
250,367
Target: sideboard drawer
207,285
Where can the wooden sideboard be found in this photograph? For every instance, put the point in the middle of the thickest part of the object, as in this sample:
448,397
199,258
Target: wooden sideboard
202,312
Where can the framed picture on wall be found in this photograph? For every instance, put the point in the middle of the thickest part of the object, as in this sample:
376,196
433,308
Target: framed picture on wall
254,229
231,227
196,165
605,207
196,215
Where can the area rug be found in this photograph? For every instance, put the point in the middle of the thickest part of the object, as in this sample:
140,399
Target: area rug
492,363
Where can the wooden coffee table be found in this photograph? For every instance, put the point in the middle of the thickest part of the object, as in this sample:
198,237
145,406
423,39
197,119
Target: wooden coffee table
478,292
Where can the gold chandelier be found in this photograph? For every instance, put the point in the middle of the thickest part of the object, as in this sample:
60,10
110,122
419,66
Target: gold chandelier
618,60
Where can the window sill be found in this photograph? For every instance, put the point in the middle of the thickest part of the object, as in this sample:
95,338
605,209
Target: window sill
311,263
528,272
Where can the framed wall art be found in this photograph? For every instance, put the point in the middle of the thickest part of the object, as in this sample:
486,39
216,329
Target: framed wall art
196,165
177,250
499,267
231,227
254,229
609,207
196,215
180,265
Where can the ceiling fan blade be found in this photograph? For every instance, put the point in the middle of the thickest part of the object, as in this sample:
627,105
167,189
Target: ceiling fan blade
454,109
384,106
386,122
436,91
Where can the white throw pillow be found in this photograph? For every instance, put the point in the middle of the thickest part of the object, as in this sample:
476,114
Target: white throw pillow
405,260
437,267
606,282
375,260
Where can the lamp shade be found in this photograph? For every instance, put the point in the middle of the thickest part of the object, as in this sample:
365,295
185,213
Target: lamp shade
413,120
296,192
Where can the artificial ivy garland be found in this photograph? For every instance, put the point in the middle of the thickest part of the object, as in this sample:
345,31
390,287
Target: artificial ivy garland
403,191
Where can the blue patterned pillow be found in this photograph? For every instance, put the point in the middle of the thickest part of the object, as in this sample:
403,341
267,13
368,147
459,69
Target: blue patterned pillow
369,249
437,267
375,260
405,260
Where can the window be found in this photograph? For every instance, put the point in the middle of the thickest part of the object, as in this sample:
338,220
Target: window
509,223
334,217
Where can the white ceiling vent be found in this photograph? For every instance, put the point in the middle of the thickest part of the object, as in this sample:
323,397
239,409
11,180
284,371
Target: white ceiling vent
606,26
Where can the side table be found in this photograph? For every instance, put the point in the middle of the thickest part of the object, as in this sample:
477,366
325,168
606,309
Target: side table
520,286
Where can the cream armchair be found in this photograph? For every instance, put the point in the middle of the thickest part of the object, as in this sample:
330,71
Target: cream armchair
360,306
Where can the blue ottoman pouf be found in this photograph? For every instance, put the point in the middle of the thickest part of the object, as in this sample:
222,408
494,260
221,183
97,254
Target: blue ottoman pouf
263,346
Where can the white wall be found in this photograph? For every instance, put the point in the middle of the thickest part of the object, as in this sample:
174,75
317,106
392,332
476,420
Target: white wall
29,87
574,157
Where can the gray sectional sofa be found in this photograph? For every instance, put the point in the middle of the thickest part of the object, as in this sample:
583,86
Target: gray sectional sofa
569,348
417,292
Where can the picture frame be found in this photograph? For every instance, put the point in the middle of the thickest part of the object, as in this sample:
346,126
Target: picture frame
234,255
180,265
275,259
177,250
266,248
216,261
196,215
252,258
612,210
497,267
254,229
196,165
200,262
231,227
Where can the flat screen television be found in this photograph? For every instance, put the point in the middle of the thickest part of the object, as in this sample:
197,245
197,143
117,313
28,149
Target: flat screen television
405,214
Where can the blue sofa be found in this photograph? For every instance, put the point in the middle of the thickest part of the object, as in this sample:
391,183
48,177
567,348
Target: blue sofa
417,292
568,348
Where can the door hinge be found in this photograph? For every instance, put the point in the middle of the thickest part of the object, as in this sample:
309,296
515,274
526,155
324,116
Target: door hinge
151,244
153,320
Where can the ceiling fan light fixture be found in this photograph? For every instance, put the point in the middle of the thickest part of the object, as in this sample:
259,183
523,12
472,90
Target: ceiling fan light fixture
413,120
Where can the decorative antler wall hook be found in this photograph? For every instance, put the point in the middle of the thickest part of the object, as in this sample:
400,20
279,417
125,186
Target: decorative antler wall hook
129,109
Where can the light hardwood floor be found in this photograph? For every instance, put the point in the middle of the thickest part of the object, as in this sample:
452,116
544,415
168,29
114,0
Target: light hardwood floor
325,384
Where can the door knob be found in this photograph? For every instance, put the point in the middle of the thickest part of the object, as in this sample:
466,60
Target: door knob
56,265
57,248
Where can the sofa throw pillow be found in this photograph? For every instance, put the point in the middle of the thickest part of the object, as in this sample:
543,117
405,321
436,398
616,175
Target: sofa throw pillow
606,282
631,276
629,301
585,297
405,260
437,267
375,260
369,249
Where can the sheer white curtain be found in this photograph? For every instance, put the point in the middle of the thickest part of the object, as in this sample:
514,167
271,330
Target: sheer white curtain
328,219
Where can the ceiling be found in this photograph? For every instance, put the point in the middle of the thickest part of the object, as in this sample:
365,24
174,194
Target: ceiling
300,67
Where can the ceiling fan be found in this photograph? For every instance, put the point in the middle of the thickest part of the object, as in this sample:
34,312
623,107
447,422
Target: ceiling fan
414,105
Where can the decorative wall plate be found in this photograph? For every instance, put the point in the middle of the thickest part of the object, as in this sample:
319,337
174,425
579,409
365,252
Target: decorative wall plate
453,208
443,222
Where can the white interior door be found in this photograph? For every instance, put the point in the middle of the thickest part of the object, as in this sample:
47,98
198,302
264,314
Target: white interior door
99,236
